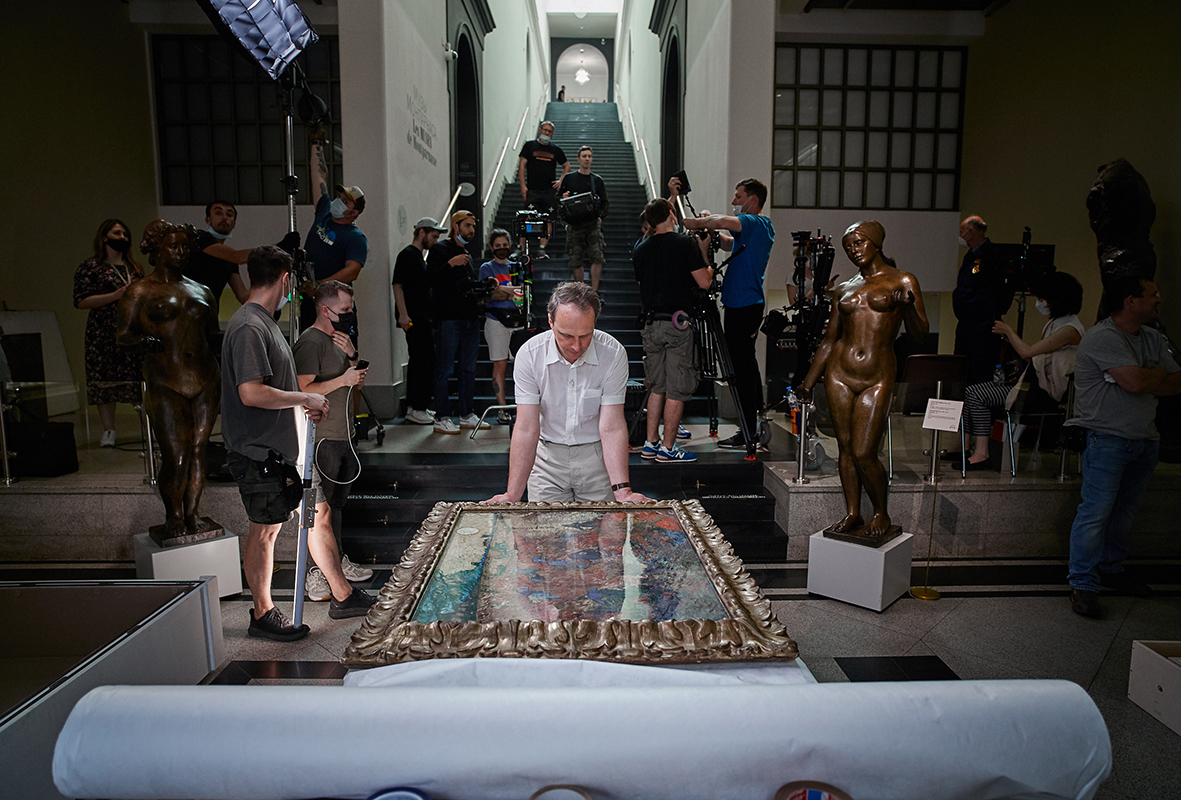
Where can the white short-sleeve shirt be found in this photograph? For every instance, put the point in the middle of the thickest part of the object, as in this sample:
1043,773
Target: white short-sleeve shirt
570,395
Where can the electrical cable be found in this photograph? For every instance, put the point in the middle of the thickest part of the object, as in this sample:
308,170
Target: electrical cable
316,453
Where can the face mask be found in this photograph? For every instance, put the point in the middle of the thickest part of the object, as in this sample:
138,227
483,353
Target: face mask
1043,307
502,252
222,236
346,322
461,240
337,208
119,245
960,239
282,302
736,209
543,139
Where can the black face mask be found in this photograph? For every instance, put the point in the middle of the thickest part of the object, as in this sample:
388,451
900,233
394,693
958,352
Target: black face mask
119,245
502,252
346,322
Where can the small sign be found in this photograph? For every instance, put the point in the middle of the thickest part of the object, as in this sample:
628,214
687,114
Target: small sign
943,415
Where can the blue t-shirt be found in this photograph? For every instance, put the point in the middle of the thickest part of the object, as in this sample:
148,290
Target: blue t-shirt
330,244
491,269
743,284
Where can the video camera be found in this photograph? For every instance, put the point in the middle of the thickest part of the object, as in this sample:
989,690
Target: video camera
1024,265
530,224
804,329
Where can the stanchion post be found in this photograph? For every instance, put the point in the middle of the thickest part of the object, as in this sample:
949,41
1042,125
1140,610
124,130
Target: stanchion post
8,477
801,445
307,518
149,441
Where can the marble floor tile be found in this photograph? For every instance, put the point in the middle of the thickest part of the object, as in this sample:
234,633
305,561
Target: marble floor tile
825,670
1112,678
906,614
1146,755
819,630
1038,635
1154,618
971,667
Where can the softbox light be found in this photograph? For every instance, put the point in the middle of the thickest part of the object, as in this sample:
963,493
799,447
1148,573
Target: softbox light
273,32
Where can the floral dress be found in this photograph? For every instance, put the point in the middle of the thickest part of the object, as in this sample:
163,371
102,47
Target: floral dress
113,373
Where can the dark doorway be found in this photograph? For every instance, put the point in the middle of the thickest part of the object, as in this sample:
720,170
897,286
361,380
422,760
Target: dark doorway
671,128
465,167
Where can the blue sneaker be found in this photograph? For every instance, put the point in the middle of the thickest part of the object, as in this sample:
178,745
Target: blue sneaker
683,432
678,453
650,450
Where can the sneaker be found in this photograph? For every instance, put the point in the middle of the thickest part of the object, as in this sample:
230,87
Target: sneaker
472,421
275,625
678,453
650,450
419,417
683,432
504,418
352,572
541,253
357,604
1085,603
446,425
107,440
315,586
735,442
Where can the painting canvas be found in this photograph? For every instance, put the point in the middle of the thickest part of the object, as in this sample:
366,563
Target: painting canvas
639,583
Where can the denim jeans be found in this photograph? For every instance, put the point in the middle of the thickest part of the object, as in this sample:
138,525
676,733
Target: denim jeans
453,336
1116,472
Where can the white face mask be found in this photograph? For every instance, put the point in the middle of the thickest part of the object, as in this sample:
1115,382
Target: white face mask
1043,307
221,236
337,208
960,239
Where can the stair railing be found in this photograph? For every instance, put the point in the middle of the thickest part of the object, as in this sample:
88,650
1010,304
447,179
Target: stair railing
642,152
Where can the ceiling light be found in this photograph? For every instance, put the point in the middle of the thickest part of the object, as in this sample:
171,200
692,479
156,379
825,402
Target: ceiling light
582,76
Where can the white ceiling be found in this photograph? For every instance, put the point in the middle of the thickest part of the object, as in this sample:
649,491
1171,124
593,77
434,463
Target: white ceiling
598,25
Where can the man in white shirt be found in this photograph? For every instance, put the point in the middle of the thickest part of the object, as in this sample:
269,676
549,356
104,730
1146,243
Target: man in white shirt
570,441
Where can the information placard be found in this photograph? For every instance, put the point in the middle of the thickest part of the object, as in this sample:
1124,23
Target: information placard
943,415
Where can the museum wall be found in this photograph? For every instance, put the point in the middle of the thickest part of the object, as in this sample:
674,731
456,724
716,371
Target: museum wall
708,125
1053,95
516,74
79,129
638,72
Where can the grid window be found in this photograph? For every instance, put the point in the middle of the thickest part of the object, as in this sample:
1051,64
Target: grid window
867,127
220,122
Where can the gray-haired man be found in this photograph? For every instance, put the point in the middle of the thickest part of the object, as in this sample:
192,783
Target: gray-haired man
570,440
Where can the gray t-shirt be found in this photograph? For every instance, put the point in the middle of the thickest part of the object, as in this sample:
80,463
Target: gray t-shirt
316,354
1101,404
254,348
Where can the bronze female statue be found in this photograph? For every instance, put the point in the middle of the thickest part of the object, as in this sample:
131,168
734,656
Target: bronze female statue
857,360
169,315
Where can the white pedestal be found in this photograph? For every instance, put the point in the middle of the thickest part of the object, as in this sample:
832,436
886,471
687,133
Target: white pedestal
870,577
185,562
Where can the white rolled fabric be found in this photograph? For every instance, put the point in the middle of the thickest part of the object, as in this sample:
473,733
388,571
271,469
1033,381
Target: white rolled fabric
954,739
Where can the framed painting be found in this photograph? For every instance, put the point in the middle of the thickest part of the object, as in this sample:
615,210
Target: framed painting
638,583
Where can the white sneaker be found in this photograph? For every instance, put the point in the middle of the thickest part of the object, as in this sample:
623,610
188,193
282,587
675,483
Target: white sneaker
472,421
315,586
107,440
446,425
419,417
352,572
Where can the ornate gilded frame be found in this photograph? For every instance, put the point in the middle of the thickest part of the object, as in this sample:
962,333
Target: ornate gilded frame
390,636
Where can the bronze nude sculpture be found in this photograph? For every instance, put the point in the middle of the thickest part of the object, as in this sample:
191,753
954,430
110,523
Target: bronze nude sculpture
857,360
168,315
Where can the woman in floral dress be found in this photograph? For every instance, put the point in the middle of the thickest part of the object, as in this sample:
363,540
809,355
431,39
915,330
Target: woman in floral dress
113,373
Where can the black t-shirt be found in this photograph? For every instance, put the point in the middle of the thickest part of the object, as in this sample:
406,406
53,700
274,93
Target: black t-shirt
541,164
207,270
410,271
664,265
577,183
450,284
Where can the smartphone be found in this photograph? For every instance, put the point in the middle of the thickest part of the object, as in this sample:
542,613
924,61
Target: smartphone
362,364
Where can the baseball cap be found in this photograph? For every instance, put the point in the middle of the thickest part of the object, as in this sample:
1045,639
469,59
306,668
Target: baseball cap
460,216
354,192
429,222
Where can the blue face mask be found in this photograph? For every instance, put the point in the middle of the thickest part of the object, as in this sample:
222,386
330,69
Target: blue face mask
221,236
461,240
337,208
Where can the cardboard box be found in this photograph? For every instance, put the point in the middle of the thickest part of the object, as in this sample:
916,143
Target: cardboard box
1155,681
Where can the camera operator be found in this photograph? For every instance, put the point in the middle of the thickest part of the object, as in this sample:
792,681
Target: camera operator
669,266
584,236
458,311
335,247
536,172
742,290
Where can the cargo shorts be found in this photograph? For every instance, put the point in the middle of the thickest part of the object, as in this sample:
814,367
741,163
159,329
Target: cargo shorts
670,363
